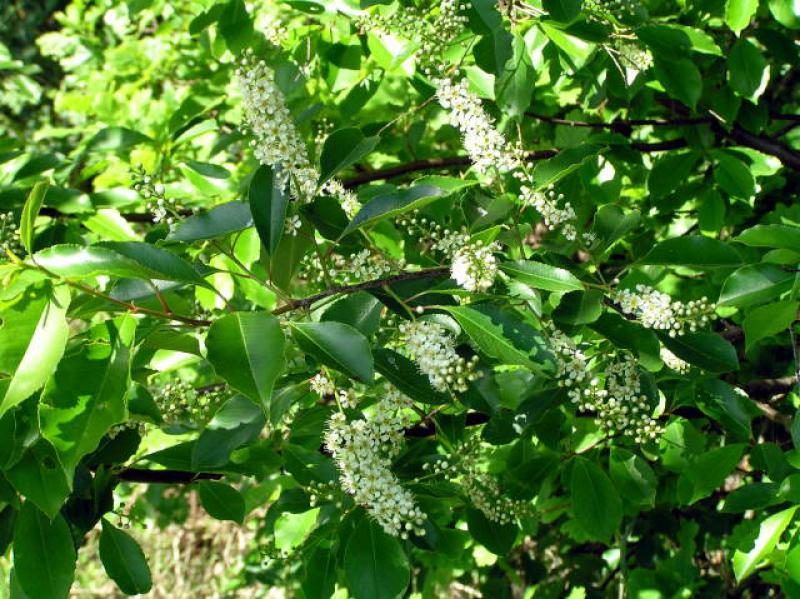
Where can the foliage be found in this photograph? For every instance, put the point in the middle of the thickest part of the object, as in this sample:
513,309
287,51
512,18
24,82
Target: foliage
436,298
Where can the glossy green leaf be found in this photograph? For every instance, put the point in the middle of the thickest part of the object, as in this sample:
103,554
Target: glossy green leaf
86,395
729,406
748,71
579,307
705,350
633,477
238,422
217,222
755,284
496,537
595,502
344,148
738,13
770,319
771,236
268,204
359,310
542,276
116,139
682,80
337,345
562,10
319,574
504,336
34,339
550,171
694,251
40,477
124,560
375,565
770,531
734,176
707,472
29,213
247,350
44,554
221,501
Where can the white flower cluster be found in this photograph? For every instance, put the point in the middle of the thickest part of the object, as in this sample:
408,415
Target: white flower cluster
9,236
674,362
551,205
483,491
474,266
363,451
179,402
433,348
322,385
348,199
488,149
656,310
276,141
614,395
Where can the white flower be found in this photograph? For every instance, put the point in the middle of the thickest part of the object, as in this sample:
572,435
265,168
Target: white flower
322,385
548,204
474,266
433,348
293,224
674,362
656,310
276,141
363,451
489,151
347,198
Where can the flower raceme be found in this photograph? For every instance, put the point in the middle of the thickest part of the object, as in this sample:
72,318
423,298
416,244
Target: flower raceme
363,450
657,310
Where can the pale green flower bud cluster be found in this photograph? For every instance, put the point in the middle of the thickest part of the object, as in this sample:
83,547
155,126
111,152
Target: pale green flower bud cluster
433,348
617,9
161,208
363,451
467,468
364,265
656,310
117,429
9,236
631,55
180,403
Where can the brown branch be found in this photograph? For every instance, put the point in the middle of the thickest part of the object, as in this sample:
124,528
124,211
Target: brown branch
766,388
374,284
167,477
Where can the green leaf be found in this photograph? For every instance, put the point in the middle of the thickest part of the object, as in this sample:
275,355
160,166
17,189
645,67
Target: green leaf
359,310
221,501
633,477
496,537
670,173
86,396
729,406
235,26
681,79
29,213
77,261
542,276
548,172
753,496
768,320
247,350
563,11
319,574
124,560
268,204
44,555
596,505
748,70
733,176
694,251
292,529
755,284
41,478
403,374
786,13
769,533
504,336
116,139
34,343
337,345
579,307
375,565
514,87
238,422
212,171
707,472
343,148
217,222
398,201
612,224
630,335
738,13
705,350
771,236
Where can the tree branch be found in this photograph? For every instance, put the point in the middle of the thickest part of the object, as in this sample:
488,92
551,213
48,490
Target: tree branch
374,284
167,477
